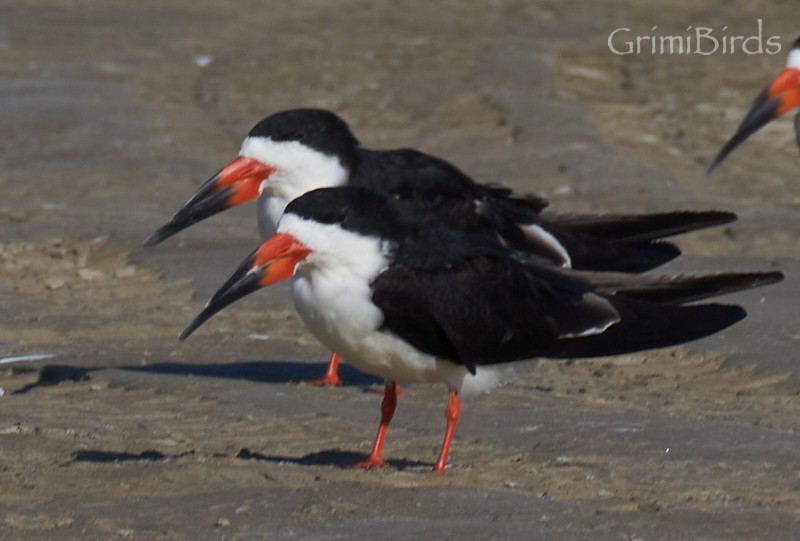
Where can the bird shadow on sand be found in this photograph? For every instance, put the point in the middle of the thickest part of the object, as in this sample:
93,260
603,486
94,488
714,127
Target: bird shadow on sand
111,457
277,372
258,371
330,457
55,374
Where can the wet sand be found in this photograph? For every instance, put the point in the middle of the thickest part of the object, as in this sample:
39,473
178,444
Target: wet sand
112,116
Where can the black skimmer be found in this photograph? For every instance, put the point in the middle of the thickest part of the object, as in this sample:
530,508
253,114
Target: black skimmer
778,98
290,153
413,301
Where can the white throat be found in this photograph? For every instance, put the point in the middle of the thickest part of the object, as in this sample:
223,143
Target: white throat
331,288
298,169
334,250
794,59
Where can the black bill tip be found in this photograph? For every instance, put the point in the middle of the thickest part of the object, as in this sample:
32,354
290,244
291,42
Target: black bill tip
206,201
162,234
760,114
222,298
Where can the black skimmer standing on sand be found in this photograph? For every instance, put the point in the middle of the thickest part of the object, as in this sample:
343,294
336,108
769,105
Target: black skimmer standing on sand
413,301
778,98
290,153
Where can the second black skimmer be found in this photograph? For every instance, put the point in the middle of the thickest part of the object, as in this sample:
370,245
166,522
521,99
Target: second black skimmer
413,301
779,97
292,152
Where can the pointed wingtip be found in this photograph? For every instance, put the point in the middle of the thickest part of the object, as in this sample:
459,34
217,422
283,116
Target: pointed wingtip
772,277
727,216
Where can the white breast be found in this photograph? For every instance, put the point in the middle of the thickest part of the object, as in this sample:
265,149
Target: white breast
345,320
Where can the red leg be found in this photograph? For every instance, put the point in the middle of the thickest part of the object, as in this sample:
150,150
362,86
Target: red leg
388,406
398,391
331,376
452,413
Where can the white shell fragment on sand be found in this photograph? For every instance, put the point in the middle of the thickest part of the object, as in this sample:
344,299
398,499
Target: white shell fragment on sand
27,358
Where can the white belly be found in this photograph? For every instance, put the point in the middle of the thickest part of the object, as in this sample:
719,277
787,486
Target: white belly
348,323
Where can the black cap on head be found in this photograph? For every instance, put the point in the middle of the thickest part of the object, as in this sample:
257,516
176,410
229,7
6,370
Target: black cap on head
353,208
319,129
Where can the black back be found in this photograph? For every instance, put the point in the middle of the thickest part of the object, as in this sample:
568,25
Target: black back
426,187
429,188
359,210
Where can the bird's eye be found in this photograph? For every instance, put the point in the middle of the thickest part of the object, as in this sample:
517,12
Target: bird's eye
337,217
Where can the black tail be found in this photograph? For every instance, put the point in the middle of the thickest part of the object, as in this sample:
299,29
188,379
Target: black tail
596,254
678,289
646,326
643,227
625,243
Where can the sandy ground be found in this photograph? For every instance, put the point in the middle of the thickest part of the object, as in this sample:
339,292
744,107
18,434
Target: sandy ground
113,113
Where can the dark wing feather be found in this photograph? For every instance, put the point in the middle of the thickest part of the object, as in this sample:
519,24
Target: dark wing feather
475,305
426,186
410,174
596,254
678,289
625,243
638,227
646,326
485,310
